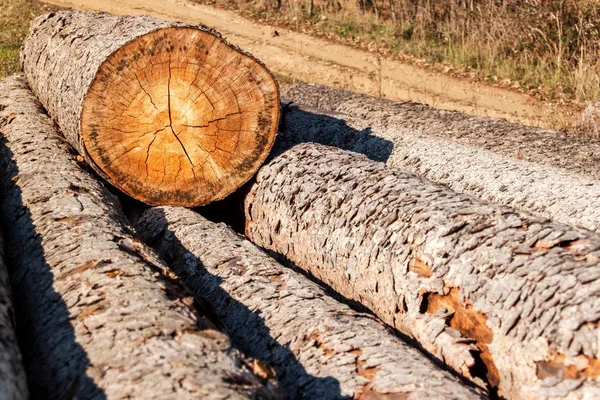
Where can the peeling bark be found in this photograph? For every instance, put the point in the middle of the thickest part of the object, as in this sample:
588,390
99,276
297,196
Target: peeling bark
166,112
319,347
548,173
98,315
13,383
497,294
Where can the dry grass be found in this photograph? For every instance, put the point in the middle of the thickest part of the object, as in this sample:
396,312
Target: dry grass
15,16
551,47
285,81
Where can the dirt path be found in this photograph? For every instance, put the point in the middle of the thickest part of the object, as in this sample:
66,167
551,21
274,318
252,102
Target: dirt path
307,58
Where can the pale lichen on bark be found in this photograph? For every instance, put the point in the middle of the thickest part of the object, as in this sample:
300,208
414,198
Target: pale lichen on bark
497,294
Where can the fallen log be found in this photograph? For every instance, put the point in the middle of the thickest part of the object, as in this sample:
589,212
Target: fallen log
166,112
548,173
320,348
495,293
13,382
98,314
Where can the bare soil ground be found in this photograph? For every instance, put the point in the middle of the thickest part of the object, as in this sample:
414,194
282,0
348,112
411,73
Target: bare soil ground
301,57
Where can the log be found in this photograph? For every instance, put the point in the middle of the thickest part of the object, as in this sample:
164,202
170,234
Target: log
320,348
495,293
13,382
548,173
166,112
98,314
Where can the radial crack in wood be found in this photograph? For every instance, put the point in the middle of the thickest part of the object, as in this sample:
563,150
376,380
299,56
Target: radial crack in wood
99,315
497,294
320,348
168,113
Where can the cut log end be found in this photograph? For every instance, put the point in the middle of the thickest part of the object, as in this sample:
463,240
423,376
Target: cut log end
180,117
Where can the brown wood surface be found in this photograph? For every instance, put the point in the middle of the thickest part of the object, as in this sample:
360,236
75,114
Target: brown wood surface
319,348
168,113
499,295
99,315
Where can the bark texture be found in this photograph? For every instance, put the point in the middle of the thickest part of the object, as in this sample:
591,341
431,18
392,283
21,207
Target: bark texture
495,293
548,173
13,383
319,347
168,113
98,315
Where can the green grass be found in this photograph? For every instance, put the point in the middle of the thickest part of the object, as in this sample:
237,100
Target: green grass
15,17
9,60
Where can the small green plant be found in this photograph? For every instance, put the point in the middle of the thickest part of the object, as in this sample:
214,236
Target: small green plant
9,60
15,17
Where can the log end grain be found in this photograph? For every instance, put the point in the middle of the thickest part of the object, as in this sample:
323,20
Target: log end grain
178,116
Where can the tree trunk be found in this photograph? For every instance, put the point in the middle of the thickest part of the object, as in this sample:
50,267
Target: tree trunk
98,314
449,270
166,112
13,383
320,348
548,173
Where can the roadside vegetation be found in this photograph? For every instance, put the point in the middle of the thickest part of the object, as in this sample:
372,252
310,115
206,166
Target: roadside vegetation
15,16
548,47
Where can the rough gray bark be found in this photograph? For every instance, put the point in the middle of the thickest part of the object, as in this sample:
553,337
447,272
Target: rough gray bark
548,173
13,383
167,112
98,314
495,293
320,348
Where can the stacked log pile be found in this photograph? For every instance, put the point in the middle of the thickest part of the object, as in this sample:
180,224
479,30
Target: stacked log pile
548,173
99,314
320,347
377,284
493,292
